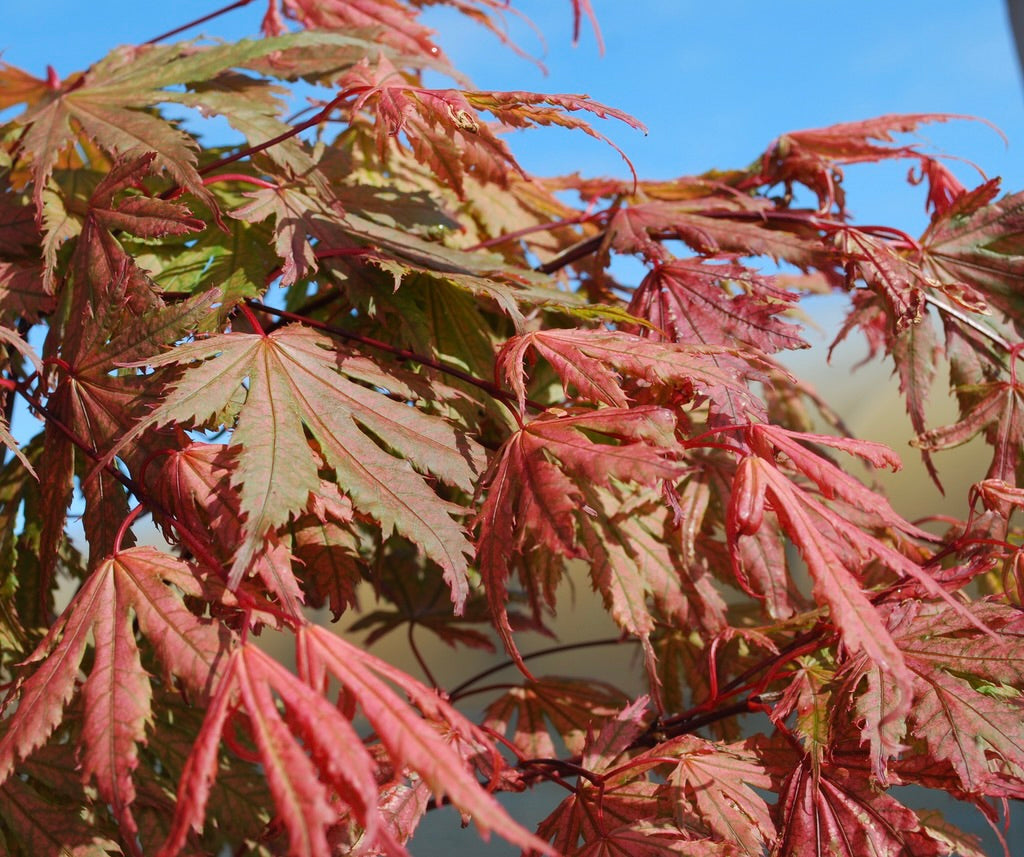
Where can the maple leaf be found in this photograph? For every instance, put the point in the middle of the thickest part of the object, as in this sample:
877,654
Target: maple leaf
300,219
395,23
958,842
529,109
119,316
443,127
104,105
109,104
644,430
117,693
760,568
964,722
301,799
295,378
336,755
647,839
572,708
916,354
812,157
720,782
327,549
682,668
23,291
716,225
246,260
882,712
976,242
997,410
421,600
837,814
616,736
18,230
900,283
595,361
836,549
99,262
617,807
191,485
478,274
194,489
534,486
241,795
691,302
639,578
19,87
832,551
40,825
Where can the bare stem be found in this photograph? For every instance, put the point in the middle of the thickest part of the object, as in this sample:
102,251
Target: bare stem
197,21
415,649
552,650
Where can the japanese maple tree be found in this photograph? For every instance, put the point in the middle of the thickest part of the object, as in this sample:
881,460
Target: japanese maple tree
363,351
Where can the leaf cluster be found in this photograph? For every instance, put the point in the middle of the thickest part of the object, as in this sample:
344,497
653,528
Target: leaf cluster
363,354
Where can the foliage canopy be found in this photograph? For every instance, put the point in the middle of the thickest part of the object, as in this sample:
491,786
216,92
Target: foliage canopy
364,347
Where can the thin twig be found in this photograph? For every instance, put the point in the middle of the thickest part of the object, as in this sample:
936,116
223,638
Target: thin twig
578,251
195,23
419,656
552,650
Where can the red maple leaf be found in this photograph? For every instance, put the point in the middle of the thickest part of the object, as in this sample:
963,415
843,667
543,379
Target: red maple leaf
317,752
117,692
691,300
535,488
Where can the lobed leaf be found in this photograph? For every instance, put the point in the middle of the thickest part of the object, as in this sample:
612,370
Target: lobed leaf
838,815
117,693
292,382
596,363
535,487
546,707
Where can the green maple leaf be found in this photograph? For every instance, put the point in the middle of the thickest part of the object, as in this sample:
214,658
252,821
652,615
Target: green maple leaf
296,382
111,102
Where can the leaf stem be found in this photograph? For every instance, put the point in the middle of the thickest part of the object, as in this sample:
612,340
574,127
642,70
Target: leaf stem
125,524
709,717
566,767
239,177
540,227
488,688
251,318
572,254
698,715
